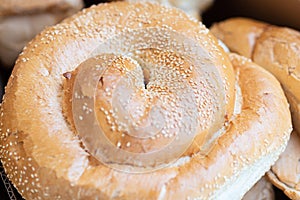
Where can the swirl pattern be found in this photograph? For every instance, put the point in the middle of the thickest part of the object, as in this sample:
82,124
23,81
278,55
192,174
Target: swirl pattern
184,97
121,89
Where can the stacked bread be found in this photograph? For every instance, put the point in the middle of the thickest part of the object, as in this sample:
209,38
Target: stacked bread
277,49
138,101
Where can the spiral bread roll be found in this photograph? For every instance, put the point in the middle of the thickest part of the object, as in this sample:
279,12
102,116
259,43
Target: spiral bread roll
277,49
21,20
120,89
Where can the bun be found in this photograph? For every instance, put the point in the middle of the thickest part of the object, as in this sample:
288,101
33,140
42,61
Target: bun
277,49
20,21
150,81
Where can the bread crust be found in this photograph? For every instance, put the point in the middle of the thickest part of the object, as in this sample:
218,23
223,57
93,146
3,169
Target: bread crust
246,30
45,159
277,49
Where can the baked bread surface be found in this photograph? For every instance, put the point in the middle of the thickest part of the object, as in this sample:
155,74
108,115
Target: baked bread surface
46,159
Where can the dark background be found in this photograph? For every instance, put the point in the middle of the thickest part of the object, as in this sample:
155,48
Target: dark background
284,13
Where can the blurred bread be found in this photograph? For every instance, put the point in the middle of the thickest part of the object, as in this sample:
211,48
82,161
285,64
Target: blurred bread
262,190
21,20
285,173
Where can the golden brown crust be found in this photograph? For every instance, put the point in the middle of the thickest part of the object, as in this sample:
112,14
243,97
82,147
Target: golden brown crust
44,157
277,49
226,159
15,7
239,34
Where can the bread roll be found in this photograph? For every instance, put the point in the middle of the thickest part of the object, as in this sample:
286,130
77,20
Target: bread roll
262,190
138,101
285,172
21,20
277,49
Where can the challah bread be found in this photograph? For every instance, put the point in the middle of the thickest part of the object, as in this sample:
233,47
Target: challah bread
21,20
277,49
138,101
